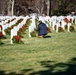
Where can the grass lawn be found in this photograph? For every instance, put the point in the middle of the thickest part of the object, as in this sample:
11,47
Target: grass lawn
40,56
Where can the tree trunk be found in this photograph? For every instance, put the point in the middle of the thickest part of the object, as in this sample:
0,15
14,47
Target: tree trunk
42,7
10,7
48,7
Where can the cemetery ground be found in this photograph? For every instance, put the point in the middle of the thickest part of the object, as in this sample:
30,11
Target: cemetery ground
55,55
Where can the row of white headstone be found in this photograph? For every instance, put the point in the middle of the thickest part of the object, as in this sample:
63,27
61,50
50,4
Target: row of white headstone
16,28
5,25
54,20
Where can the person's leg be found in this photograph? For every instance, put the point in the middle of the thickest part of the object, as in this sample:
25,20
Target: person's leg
44,35
39,36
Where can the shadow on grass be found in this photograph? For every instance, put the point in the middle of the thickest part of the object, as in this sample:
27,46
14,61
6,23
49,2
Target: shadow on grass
68,68
65,68
47,36
22,72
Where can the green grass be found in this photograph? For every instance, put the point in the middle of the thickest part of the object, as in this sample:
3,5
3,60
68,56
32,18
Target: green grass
40,56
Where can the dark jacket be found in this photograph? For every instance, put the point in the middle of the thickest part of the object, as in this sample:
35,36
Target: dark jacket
42,29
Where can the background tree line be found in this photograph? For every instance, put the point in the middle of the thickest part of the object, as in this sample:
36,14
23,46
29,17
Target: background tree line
62,7
47,7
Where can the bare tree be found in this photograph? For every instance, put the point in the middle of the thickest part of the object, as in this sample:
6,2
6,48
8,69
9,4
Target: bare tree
43,6
39,5
3,7
48,7
10,7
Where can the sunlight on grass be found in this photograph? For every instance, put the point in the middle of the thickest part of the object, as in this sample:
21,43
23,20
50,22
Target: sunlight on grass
37,56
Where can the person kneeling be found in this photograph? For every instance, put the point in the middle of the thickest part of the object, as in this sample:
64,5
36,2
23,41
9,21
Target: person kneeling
42,30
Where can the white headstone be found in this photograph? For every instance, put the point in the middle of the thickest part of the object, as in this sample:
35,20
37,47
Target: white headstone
0,29
57,26
3,28
30,31
12,30
69,24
